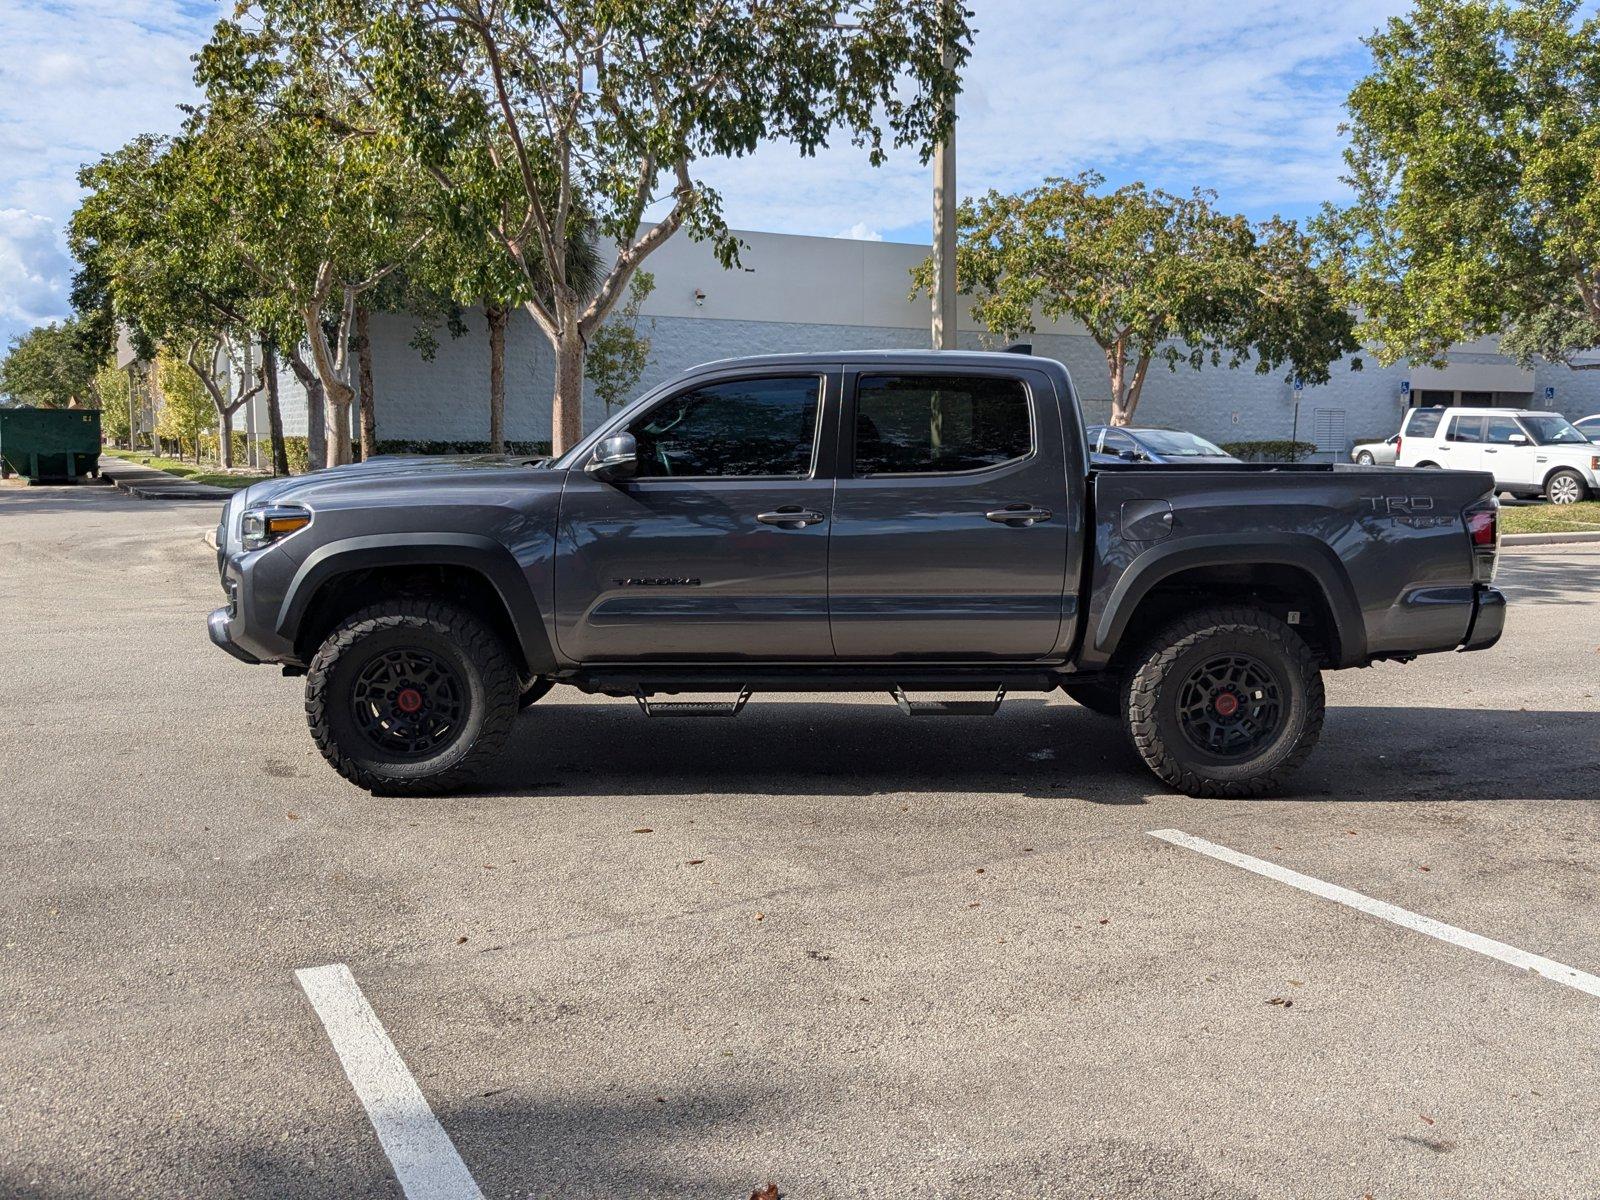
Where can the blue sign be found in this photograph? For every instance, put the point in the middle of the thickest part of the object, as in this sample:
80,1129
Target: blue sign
1405,387
1549,393
1299,384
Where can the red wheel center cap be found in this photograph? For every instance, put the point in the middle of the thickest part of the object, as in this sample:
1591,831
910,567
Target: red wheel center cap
409,700
1226,704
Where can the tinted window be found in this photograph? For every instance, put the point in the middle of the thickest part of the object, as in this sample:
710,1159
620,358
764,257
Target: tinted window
1117,443
908,424
1502,430
748,427
1466,429
1424,422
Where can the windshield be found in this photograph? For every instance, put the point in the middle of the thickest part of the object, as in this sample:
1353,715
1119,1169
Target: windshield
1551,429
1179,445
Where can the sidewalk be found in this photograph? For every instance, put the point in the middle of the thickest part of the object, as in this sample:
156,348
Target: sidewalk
147,483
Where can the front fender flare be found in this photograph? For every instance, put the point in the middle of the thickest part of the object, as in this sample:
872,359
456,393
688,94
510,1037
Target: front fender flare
469,550
1300,550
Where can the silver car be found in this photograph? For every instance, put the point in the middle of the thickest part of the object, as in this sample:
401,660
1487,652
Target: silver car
1376,454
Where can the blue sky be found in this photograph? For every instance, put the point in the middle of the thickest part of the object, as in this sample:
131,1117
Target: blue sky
1242,96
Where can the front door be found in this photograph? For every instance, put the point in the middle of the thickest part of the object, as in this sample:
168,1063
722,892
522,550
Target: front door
1510,461
949,530
718,548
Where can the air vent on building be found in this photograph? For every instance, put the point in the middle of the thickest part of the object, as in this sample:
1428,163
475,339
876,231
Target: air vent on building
1327,429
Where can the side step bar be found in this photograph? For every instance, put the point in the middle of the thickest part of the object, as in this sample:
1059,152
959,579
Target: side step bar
948,708
692,708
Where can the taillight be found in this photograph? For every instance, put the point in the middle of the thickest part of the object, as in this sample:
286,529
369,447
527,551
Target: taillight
1483,531
1398,442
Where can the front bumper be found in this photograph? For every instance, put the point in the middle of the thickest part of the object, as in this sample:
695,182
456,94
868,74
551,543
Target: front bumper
1488,618
217,625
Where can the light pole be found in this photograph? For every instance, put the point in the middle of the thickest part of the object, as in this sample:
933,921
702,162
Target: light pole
944,221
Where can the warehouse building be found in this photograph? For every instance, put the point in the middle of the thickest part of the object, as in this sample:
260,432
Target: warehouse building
818,294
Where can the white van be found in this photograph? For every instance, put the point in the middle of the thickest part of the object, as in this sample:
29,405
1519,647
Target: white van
1528,453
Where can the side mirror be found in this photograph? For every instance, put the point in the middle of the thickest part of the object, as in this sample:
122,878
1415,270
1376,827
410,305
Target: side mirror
1519,439
1130,455
614,459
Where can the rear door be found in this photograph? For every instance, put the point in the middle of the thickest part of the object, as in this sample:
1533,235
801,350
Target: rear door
718,548
1510,461
949,525
1462,449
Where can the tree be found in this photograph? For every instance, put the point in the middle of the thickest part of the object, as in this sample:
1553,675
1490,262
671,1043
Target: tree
1149,274
186,410
164,265
113,389
47,367
542,119
1473,144
618,355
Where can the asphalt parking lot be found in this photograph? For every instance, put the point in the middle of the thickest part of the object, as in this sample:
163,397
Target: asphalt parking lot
820,944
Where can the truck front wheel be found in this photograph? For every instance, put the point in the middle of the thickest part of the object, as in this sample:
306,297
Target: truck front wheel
411,697
1225,702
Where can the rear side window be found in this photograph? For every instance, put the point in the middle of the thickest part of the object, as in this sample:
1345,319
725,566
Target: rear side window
1424,422
750,427
1466,429
939,424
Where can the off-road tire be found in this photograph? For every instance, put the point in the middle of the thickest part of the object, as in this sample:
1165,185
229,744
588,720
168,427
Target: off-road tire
488,678
535,690
1566,484
1103,698
1168,660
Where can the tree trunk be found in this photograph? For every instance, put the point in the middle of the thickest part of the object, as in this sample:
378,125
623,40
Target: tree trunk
316,411
566,410
497,314
1118,367
280,453
337,394
369,415
225,440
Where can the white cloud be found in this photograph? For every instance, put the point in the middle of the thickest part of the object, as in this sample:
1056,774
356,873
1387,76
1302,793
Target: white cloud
860,232
34,270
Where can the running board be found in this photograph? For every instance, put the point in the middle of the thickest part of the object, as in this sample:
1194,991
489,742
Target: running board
692,708
948,708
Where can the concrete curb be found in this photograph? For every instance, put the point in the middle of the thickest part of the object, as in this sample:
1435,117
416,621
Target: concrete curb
1548,539
147,483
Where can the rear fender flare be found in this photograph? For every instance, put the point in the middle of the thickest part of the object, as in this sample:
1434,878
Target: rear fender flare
1299,550
472,551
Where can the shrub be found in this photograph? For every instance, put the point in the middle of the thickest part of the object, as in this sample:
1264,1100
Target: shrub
1270,450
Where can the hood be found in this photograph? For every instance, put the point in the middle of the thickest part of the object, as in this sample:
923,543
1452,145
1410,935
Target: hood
388,468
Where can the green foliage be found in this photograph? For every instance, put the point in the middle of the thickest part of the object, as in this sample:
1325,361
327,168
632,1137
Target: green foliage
539,122
48,367
1148,274
1270,450
618,354
1473,147
112,394
186,410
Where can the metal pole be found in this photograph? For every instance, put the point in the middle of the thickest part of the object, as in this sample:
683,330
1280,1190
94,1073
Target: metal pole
944,231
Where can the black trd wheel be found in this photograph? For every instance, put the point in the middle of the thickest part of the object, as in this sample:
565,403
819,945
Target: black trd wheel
411,697
536,690
1565,487
1103,698
1225,702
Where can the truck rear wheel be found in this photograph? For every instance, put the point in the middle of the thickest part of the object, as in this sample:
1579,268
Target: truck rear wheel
1225,702
411,697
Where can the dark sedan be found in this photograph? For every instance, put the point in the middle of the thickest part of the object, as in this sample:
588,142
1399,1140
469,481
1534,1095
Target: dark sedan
1127,444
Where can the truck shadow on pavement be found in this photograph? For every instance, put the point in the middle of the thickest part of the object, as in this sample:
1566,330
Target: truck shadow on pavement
1044,751
1548,579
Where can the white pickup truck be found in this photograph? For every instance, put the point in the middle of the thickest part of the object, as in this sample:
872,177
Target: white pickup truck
1528,453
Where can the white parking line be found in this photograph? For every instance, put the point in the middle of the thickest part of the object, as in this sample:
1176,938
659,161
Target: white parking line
1549,968
424,1158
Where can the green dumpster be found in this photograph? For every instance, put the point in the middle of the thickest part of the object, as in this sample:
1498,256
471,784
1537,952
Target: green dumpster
50,444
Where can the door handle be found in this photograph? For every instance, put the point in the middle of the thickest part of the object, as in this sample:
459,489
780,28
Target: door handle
1019,516
791,516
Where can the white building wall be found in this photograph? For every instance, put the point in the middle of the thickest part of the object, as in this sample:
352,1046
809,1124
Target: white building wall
820,294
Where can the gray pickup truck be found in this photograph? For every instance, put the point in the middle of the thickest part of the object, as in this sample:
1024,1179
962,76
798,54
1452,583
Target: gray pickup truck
892,521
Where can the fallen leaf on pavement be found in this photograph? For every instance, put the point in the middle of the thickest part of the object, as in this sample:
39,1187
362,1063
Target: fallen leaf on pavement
644,830
1428,1120
1282,1001
461,941
980,870
1425,868
1296,983
761,916
695,862
1105,920
767,1191
292,816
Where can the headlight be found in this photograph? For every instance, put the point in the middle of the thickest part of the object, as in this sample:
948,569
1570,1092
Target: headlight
270,523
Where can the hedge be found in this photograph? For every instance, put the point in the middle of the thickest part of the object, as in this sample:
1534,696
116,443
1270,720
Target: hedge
1270,450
